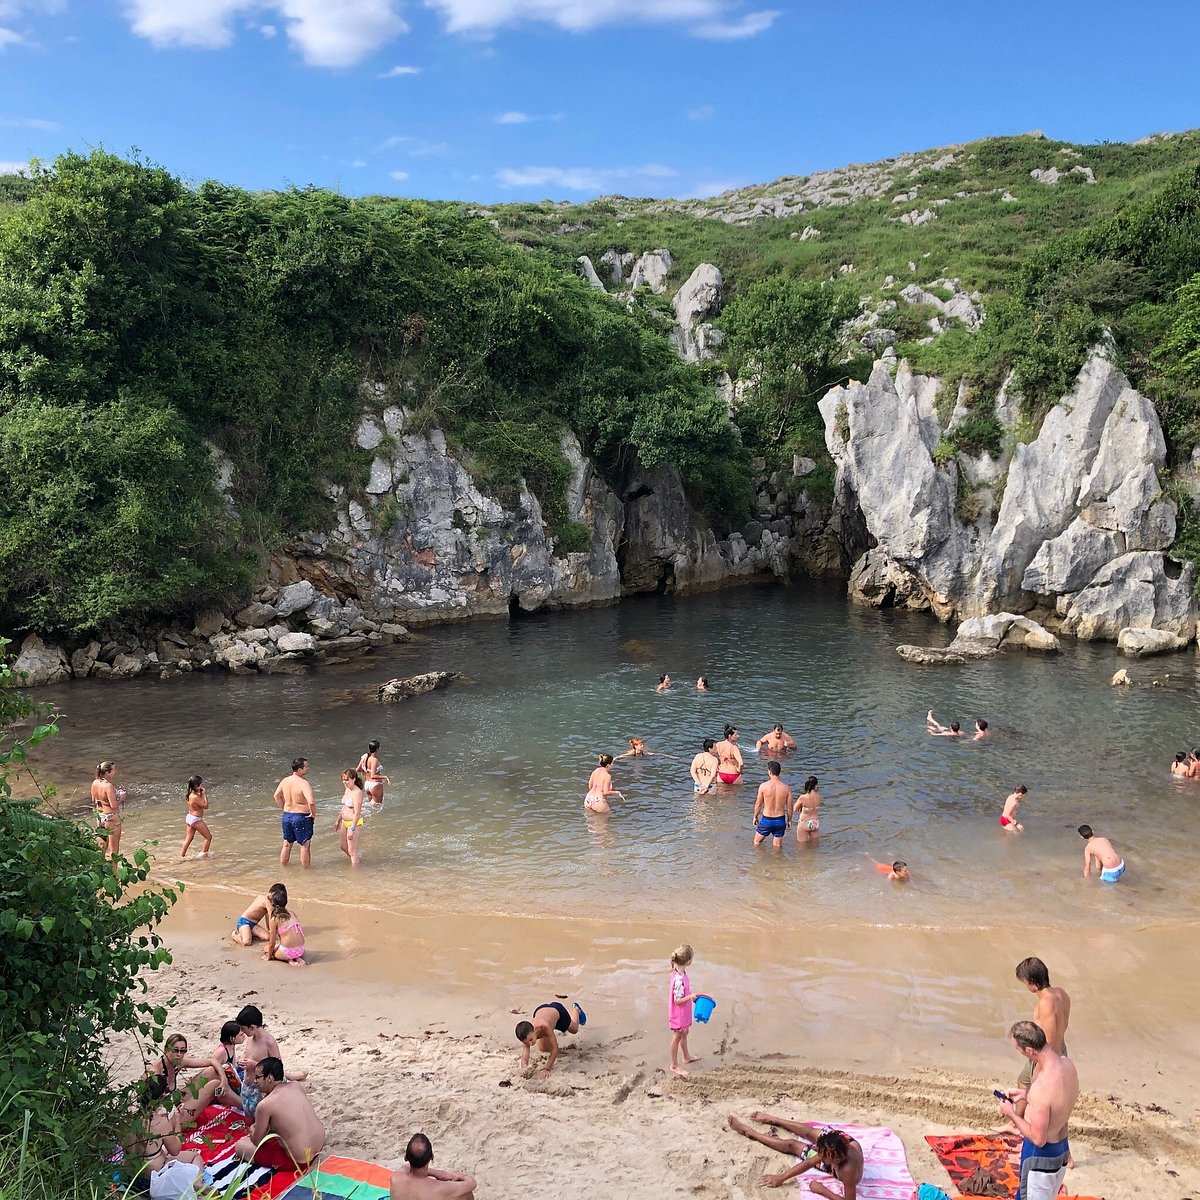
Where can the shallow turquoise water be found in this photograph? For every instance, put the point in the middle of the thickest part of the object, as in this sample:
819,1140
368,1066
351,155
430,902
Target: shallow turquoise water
486,813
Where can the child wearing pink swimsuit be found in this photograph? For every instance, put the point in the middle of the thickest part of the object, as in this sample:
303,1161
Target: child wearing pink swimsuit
679,1009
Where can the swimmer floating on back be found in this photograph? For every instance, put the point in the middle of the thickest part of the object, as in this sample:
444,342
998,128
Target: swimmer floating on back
937,729
600,787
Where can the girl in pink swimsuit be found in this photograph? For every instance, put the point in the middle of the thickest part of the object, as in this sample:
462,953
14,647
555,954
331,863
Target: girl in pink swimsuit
679,1009
285,937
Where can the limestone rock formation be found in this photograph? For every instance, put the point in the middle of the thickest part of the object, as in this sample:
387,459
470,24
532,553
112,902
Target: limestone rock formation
589,272
396,690
1141,643
698,300
1141,590
651,270
41,663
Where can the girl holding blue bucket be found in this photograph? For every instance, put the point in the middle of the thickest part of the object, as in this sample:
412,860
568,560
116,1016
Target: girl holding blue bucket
679,1009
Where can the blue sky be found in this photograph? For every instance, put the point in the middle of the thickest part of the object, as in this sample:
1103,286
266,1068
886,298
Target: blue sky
529,99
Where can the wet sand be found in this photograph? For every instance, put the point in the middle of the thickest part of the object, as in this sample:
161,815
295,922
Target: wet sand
405,1022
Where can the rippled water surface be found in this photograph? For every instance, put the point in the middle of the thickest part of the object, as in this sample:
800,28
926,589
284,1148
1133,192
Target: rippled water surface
486,813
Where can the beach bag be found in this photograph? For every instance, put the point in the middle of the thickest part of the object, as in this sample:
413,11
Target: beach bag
175,1181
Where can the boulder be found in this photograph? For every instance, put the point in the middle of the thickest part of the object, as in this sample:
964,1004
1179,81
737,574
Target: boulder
369,433
239,656
396,690
129,666
1140,590
42,663
84,659
296,643
1121,679
255,614
616,266
380,482
699,297
294,598
1141,643
208,622
936,655
878,582
589,272
651,270
1006,631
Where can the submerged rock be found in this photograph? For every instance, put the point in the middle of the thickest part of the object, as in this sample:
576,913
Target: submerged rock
396,690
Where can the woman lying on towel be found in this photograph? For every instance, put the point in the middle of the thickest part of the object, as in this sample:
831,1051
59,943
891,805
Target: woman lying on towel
828,1150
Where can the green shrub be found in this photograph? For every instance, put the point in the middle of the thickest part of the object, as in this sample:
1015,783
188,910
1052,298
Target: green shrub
977,432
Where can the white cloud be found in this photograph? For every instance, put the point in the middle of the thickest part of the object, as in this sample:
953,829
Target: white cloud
706,18
29,123
748,26
702,113
513,118
9,37
358,162
712,187
429,150
268,31
328,33
399,176
14,168
396,72
583,179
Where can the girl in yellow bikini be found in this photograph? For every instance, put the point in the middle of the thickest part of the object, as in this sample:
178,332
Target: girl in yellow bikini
349,821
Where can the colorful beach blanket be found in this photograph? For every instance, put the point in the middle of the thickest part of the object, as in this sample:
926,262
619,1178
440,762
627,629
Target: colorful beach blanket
885,1166
340,1178
999,1154
217,1129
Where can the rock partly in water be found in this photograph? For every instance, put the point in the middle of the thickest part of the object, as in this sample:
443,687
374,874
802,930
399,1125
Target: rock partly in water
41,663
1141,643
396,690
1121,679
1142,590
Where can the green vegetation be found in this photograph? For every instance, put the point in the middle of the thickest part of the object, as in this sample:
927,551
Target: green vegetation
145,328
75,938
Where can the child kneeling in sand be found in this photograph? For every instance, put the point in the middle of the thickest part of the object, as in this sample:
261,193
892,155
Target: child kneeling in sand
285,936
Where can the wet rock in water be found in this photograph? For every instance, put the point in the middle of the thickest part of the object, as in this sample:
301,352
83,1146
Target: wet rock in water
84,659
1142,590
297,643
41,663
928,655
396,690
1007,631
1141,643
1121,679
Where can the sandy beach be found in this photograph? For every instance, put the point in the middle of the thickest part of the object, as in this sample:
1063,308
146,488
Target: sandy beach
408,1026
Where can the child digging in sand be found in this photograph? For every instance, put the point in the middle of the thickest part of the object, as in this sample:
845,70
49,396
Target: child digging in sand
679,1009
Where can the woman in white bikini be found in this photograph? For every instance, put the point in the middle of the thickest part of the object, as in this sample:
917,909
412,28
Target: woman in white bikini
807,811
371,770
107,800
349,821
197,806
600,787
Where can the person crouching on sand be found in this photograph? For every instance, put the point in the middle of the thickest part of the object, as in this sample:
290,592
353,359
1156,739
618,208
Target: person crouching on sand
197,806
549,1020
250,927
285,937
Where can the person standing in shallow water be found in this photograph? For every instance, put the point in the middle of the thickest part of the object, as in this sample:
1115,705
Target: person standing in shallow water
730,757
371,770
197,807
349,823
772,808
600,787
704,768
107,800
295,796
807,810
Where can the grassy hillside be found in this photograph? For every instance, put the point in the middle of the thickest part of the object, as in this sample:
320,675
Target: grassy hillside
976,236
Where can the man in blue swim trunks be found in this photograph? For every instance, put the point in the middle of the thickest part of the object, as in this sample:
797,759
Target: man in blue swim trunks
1111,864
548,1021
772,808
1049,1101
295,796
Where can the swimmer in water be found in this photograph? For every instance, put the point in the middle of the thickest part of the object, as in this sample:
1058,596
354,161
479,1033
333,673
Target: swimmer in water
897,870
371,770
981,731
702,684
1008,818
704,768
600,787
1180,767
937,729
807,810
730,757
776,742
197,806
772,808
637,749
1111,864
664,683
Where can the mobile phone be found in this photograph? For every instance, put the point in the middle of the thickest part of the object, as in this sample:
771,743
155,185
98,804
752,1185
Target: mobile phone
1000,1095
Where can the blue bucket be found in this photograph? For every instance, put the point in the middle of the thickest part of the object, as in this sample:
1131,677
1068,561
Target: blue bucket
702,1008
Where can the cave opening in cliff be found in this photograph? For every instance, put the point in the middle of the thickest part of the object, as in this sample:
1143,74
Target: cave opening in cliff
514,607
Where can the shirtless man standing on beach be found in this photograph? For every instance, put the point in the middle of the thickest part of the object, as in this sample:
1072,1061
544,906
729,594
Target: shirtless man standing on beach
1045,1152
548,1020
1111,864
417,1180
1051,1013
295,796
772,808
287,1112
704,768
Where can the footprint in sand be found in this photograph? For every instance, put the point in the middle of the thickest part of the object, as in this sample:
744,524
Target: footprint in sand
622,1093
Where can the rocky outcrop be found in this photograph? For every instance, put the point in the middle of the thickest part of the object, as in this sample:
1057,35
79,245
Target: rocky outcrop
985,637
695,304
396,690
589,272
1141,643
651,270
1073,523
40,664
